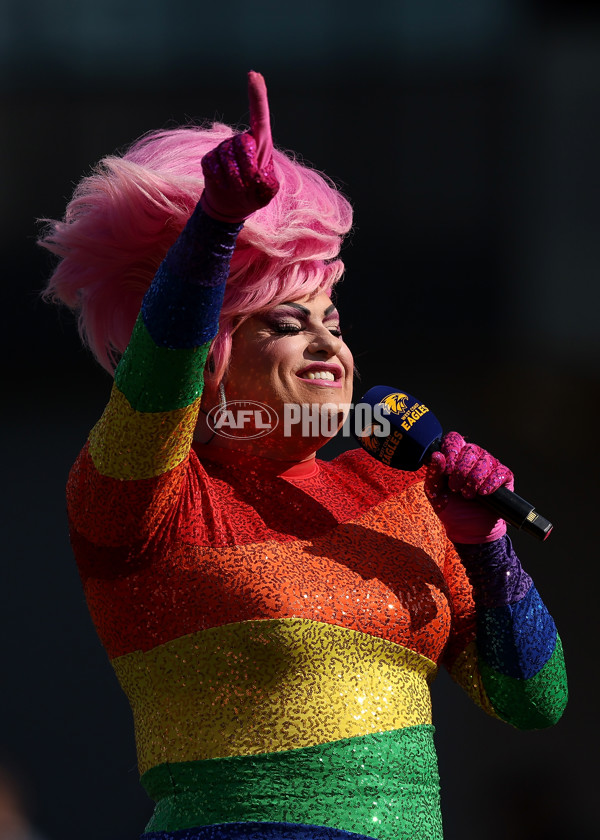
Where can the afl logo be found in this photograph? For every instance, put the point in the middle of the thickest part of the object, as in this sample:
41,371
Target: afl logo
242,419
394,403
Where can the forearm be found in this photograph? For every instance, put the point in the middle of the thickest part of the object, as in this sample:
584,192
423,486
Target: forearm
181,308
162,368
129,476
519,653
147,427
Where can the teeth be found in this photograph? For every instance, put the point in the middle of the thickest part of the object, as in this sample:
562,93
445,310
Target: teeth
320,374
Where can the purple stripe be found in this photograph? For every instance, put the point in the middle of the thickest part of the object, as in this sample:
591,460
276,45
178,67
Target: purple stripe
181,307
495,573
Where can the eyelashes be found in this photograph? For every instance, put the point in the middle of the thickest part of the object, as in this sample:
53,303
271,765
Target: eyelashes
287,328
291,323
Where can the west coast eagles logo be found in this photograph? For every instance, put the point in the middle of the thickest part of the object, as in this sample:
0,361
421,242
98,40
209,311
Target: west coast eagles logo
394,403
368,440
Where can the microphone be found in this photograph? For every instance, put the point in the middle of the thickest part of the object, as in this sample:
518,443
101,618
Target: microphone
412,434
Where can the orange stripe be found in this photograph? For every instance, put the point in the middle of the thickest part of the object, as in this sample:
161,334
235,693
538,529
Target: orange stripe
354,576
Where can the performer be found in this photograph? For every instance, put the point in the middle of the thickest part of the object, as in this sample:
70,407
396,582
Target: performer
275,620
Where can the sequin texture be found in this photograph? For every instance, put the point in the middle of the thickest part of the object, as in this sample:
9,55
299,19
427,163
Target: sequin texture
276,626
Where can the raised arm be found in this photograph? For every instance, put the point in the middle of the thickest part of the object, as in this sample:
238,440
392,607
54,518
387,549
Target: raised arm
128,475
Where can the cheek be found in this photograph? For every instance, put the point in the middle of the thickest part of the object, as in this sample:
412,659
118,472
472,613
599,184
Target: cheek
284,355
256,371
347,358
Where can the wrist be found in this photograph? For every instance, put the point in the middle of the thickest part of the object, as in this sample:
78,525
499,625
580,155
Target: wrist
467,536
218,216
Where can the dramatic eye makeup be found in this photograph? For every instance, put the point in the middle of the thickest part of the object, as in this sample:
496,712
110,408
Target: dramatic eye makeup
331,319
290,318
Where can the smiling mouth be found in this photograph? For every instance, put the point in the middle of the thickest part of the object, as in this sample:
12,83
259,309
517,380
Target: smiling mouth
319,374
321,378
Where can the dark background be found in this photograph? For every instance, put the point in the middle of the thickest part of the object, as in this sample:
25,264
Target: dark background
466,134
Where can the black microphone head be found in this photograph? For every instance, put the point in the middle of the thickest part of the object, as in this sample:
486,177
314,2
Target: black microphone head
397,429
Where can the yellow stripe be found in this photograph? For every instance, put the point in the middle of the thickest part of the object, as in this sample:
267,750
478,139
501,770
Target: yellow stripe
466,673
128,444
266,686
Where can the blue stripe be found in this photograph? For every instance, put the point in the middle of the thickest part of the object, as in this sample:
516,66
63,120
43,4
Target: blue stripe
181,307
517,640
181,315
257,831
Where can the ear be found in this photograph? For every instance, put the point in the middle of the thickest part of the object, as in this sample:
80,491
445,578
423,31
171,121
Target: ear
210,383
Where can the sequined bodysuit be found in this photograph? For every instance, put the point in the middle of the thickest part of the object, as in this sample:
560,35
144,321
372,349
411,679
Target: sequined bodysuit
276,626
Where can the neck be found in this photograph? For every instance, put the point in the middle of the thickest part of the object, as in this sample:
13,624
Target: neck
256,465
274,447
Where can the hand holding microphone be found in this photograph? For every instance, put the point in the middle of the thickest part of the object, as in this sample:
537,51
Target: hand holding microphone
458,473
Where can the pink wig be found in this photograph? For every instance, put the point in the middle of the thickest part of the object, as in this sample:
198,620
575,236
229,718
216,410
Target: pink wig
124,217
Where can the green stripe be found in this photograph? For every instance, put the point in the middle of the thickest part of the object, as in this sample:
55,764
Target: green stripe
159,379
384,785
529,704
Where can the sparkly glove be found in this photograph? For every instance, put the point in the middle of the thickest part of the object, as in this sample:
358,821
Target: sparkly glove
458,473
239,175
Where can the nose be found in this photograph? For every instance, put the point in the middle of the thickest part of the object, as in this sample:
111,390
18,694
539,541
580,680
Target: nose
324,342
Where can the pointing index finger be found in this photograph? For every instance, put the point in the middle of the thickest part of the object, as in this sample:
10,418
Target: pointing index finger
260,121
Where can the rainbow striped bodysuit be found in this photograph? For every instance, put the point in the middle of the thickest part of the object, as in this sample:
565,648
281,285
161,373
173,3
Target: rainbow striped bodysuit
276,626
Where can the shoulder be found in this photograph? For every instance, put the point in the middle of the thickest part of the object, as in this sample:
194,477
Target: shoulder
393,499
362,469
